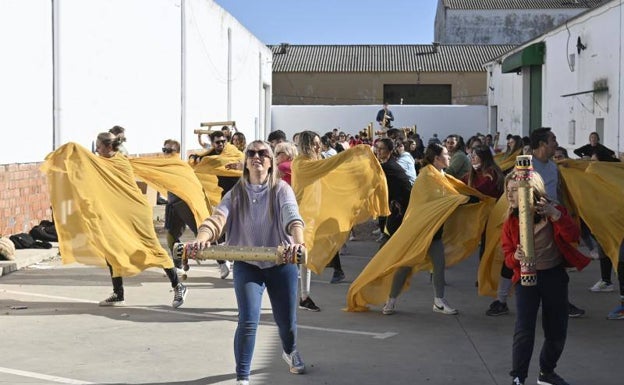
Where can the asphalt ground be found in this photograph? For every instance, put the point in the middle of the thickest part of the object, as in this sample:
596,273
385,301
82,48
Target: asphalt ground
53,332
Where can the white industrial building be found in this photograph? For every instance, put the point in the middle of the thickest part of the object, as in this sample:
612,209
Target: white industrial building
569,78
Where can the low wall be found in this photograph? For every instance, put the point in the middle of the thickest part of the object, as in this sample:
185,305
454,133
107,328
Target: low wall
443,119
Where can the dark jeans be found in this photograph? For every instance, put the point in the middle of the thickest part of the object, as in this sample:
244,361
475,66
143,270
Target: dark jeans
249,283
552,291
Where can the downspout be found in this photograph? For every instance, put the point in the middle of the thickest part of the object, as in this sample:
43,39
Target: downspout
620,119
261,117
56,91
229,74
183,78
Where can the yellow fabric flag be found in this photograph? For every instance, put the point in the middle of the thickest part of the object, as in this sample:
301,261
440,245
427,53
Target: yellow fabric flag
436,200
170,173
506,163
334,194
493,258
212,166
100,213
595,190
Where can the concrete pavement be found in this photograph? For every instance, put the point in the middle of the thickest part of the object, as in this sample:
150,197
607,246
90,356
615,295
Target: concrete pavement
52,331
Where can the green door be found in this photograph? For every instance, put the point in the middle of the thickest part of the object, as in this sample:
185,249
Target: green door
535,97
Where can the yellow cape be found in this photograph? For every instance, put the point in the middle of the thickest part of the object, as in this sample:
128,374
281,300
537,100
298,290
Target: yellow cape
213,166
493,257
506,163
595,190
335,194
436,200
170,173
100,213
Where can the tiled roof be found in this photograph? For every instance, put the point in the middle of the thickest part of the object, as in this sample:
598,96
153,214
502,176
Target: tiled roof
522,4
384,58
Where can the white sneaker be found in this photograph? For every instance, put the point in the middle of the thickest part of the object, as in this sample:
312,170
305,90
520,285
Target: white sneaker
388,308
441,306
594,255
602,287
242,382
180,272
377,231
224,268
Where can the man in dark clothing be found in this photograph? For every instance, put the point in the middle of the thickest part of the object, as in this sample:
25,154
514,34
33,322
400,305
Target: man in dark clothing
385,117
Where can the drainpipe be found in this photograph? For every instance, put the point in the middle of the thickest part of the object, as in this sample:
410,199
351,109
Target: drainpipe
229,74
620,119
183,78
56,61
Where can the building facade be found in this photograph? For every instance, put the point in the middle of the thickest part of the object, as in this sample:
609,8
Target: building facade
569,79
502,22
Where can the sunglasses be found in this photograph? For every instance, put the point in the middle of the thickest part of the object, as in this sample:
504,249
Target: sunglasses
264,153
167,150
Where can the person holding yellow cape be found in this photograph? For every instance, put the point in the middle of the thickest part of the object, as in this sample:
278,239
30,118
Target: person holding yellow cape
102,218
433,235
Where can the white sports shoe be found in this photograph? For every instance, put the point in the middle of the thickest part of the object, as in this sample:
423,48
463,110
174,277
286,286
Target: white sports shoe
602,287
441,306
389,307
224,268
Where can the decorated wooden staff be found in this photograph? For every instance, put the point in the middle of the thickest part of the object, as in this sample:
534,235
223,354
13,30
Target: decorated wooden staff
524,170
182,251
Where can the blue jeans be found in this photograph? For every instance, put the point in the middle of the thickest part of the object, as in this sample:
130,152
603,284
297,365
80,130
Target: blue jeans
552,291
249,283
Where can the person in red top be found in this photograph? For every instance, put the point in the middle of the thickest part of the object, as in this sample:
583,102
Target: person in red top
285,152
554,231
485,175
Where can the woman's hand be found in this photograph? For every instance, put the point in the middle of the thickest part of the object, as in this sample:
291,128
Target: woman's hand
547,209
519,254
292,252
202,242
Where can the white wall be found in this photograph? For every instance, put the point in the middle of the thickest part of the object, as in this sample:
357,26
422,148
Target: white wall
25,79
440,119
120,63
601,31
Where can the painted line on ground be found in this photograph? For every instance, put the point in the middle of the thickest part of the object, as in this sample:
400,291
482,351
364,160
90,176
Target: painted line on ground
39,376
382,336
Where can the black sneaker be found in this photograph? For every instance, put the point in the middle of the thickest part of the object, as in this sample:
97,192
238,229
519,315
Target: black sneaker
338,276
517,381
308,304
179,294
113,300
497,308
575,312
550,379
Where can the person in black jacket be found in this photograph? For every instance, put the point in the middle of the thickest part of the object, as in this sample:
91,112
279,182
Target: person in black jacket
399,186
595,150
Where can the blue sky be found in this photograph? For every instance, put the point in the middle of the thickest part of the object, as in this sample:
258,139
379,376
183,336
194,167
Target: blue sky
336,21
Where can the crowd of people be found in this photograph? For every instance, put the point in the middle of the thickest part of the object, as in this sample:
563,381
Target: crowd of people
425,189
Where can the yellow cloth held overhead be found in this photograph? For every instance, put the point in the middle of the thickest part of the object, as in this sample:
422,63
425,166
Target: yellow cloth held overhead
595,191
212,166
436,200
172,174
100,213
335,194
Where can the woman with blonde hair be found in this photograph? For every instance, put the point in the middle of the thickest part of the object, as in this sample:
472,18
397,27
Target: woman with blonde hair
260,210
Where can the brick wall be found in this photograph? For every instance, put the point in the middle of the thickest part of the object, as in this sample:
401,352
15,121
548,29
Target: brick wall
24,198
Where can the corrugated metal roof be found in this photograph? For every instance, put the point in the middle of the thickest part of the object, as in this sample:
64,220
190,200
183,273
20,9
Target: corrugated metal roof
522,4
384,58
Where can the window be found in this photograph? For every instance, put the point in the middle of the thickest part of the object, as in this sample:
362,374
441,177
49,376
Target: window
417,93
